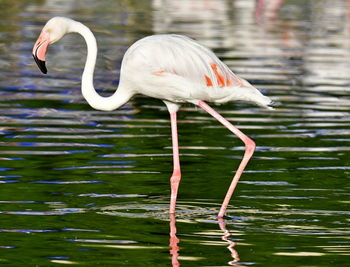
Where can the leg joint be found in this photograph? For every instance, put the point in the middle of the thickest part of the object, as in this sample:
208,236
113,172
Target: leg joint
250,145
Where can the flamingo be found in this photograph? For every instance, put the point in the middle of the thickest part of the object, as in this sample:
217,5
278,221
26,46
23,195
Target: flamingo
170,67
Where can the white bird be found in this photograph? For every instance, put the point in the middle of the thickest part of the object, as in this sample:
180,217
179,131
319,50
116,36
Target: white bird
170,67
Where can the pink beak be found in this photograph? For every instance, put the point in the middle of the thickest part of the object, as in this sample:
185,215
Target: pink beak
40,49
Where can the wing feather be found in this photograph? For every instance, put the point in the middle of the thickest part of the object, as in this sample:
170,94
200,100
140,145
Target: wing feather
178,69
183,56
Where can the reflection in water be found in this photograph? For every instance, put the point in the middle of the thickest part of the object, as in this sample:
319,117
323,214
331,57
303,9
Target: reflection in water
203,19
231,244
174,242
267,9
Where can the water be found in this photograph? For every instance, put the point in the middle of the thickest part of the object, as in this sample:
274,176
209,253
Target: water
85,187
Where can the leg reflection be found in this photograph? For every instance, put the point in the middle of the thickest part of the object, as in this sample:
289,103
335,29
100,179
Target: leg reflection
174,248
231,244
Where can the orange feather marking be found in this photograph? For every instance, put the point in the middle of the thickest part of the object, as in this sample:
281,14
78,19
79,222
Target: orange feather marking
208,80
159,73
219,77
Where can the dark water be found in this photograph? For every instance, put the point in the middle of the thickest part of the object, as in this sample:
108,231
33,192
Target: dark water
85,187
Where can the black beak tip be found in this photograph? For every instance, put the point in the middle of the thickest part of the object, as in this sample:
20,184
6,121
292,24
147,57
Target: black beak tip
41,64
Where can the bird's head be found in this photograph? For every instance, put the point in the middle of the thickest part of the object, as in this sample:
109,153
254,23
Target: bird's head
53,31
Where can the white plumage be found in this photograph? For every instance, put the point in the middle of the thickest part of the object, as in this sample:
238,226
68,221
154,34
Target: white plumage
179,71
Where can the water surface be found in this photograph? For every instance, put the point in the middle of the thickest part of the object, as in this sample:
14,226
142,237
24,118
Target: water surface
80,186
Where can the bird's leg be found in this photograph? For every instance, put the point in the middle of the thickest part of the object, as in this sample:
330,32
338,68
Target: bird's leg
249,150
176,176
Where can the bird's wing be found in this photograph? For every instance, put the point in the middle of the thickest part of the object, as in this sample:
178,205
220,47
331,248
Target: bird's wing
178,69
184,57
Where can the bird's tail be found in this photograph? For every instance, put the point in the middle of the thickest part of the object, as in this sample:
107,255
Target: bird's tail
248,92
255,96
263,101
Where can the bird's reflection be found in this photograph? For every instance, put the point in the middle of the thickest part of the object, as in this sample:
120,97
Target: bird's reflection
174,242
231,244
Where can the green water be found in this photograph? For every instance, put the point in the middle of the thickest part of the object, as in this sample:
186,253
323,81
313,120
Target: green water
91,188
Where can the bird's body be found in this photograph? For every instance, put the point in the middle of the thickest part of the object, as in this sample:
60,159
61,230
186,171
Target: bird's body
170,67
177,69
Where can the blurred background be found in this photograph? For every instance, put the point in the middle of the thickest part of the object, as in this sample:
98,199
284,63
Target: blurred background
80,186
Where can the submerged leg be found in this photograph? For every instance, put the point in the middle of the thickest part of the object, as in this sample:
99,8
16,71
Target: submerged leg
249,150
176,176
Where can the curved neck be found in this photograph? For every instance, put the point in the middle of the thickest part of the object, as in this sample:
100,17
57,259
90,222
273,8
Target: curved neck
121,95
